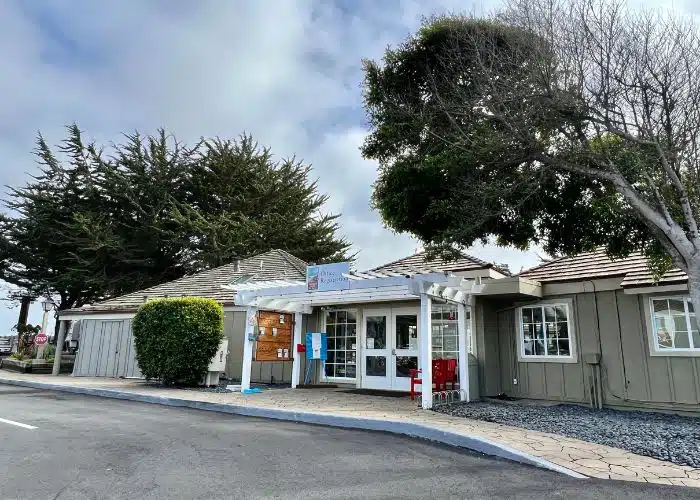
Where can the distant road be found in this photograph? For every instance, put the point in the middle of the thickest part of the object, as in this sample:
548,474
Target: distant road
61,446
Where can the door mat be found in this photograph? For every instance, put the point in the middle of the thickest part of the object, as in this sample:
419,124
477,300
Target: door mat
376,392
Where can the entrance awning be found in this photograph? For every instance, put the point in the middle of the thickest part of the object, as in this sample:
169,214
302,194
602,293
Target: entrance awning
360,288
363,288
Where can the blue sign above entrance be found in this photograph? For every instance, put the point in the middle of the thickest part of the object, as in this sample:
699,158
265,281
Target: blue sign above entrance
326,277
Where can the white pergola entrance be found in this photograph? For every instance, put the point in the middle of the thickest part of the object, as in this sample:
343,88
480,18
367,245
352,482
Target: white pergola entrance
364,288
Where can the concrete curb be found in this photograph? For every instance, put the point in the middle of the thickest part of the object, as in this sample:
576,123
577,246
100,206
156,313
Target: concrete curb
399,427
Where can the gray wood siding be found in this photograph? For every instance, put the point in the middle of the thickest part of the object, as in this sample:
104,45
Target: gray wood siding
261,372
487,334
609,322
106,349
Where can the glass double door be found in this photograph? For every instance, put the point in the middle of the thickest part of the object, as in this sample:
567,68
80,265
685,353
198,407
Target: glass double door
390,347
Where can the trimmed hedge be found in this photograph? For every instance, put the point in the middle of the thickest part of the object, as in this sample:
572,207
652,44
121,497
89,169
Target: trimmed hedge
176,338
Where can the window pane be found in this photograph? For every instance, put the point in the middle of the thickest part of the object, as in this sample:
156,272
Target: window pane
352,317
450,343
330,330
351,358
527,315
404,364
351,343
679,324
564,348
663,337
340,357
342,316
696,339
330,357
552,347
549,314
340,343
529,349
563,332
676,306
351,371
660,305
682,340
436,314
331,343
351,330
330,317
561,313
406,331
330,370
551,330
376,332
539,333
376,366
528,332
539,347
537,315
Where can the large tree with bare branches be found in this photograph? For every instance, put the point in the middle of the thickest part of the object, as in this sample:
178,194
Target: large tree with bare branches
567,123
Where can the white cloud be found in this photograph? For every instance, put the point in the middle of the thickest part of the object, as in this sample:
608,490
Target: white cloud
287,72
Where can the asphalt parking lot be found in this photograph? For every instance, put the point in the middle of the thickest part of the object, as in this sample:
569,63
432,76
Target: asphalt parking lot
63,446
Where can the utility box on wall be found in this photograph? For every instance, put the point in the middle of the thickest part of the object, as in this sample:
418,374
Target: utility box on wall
274,339
217,365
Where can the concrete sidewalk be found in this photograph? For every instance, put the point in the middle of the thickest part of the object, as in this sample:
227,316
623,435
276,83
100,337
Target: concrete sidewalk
338,407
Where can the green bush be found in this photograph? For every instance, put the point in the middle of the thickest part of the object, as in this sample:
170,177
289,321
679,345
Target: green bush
175,339
49,352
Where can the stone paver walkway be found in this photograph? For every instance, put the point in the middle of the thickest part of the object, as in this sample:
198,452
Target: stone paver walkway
589,459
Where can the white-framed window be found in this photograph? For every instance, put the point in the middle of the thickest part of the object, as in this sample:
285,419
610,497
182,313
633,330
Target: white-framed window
341,361
445,336
675,328
546,333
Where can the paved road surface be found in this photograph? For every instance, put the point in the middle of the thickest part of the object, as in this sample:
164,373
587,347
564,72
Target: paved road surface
84,447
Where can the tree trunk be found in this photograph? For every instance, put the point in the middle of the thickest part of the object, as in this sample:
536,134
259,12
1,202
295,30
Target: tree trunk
694,286
24,311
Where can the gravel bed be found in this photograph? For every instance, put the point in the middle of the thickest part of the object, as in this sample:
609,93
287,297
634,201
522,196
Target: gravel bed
667,437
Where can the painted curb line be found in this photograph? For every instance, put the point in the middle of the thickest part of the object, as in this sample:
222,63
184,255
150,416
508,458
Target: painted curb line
399,427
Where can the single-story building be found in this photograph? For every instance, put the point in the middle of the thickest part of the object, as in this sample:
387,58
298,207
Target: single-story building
103,330
583,329
601,331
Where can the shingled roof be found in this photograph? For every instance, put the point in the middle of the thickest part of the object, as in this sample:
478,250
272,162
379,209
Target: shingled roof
275,264
419,261
597,265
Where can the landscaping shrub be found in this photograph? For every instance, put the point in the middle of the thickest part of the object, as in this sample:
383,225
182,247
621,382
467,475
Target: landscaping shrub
175,339
49,352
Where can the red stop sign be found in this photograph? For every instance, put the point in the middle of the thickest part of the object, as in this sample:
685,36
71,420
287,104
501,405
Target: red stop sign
41,339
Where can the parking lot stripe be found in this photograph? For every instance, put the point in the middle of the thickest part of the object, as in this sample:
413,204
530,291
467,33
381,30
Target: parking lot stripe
18,424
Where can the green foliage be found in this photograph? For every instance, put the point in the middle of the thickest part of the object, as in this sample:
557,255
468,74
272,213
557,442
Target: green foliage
476,130
90,226
49,352
176,338
23,332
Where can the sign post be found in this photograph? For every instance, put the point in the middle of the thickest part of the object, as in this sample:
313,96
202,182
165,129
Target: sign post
40,340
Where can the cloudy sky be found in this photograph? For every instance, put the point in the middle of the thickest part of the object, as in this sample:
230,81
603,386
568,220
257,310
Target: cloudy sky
287,71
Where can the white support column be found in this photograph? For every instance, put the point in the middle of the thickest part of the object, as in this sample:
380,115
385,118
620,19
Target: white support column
250,330
59,347
426,353
463,352
296,363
